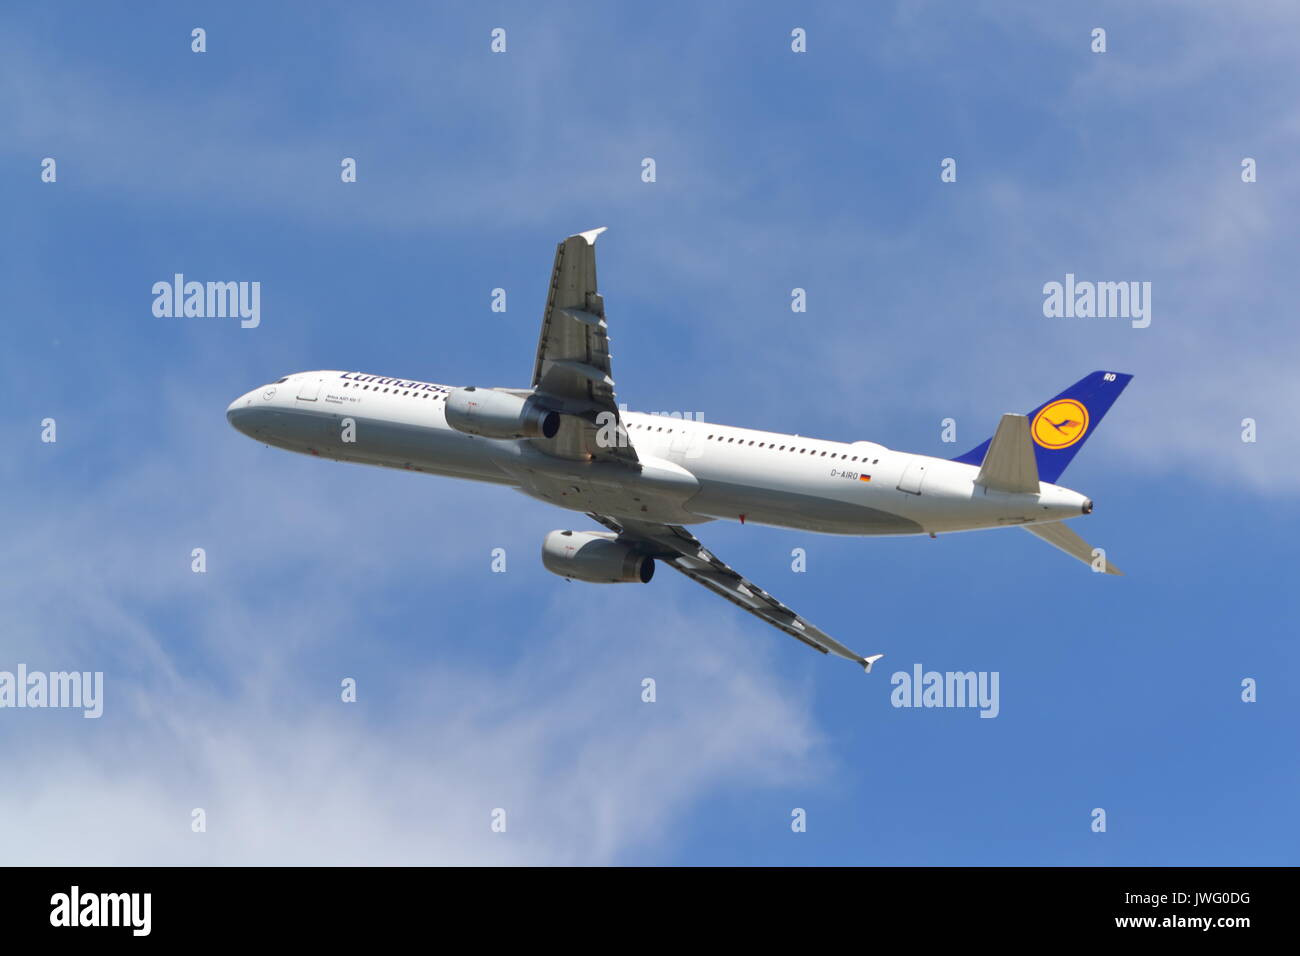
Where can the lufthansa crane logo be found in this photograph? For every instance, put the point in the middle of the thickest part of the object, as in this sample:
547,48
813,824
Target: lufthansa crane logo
1060,424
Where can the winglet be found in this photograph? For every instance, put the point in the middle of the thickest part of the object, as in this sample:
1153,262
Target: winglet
866,662
591,234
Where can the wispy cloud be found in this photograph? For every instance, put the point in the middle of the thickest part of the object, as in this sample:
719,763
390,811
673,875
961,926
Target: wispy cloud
224,693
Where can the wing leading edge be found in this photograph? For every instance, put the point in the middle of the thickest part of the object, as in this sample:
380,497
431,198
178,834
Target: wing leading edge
682,551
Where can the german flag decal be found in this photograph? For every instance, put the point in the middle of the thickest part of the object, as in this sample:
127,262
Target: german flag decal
864,477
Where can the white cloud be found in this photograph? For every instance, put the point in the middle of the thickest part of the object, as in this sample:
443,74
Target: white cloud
222,690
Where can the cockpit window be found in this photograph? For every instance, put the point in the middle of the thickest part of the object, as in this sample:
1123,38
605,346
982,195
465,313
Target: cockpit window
282,381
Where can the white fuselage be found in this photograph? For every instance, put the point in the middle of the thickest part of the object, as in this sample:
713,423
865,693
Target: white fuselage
690,471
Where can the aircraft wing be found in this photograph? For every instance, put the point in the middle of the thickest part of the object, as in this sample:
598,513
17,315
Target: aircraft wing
572,370
682,551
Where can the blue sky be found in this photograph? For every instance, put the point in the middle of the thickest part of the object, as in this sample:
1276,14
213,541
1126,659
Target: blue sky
775,170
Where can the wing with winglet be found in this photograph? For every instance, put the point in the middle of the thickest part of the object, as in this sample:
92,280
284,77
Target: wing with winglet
572,371
682,551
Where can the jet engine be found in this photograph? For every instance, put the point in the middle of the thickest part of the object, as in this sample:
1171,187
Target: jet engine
493,414
596,557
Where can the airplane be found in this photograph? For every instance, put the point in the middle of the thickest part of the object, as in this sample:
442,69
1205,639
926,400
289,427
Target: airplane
647,477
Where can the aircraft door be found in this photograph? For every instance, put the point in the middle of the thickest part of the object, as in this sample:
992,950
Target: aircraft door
309,391
681,444
913,477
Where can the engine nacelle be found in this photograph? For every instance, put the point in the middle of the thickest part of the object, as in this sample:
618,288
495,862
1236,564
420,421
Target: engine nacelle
493,414
595,557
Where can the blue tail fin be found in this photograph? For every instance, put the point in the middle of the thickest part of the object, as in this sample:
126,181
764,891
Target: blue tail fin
1060,426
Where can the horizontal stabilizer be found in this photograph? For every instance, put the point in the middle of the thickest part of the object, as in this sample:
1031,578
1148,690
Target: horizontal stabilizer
1009,463
1059,536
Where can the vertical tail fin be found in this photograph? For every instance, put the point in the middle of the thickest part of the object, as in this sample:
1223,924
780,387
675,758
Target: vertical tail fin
1061,425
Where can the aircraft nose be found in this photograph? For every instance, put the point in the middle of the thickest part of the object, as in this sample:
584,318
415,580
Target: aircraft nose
242,412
